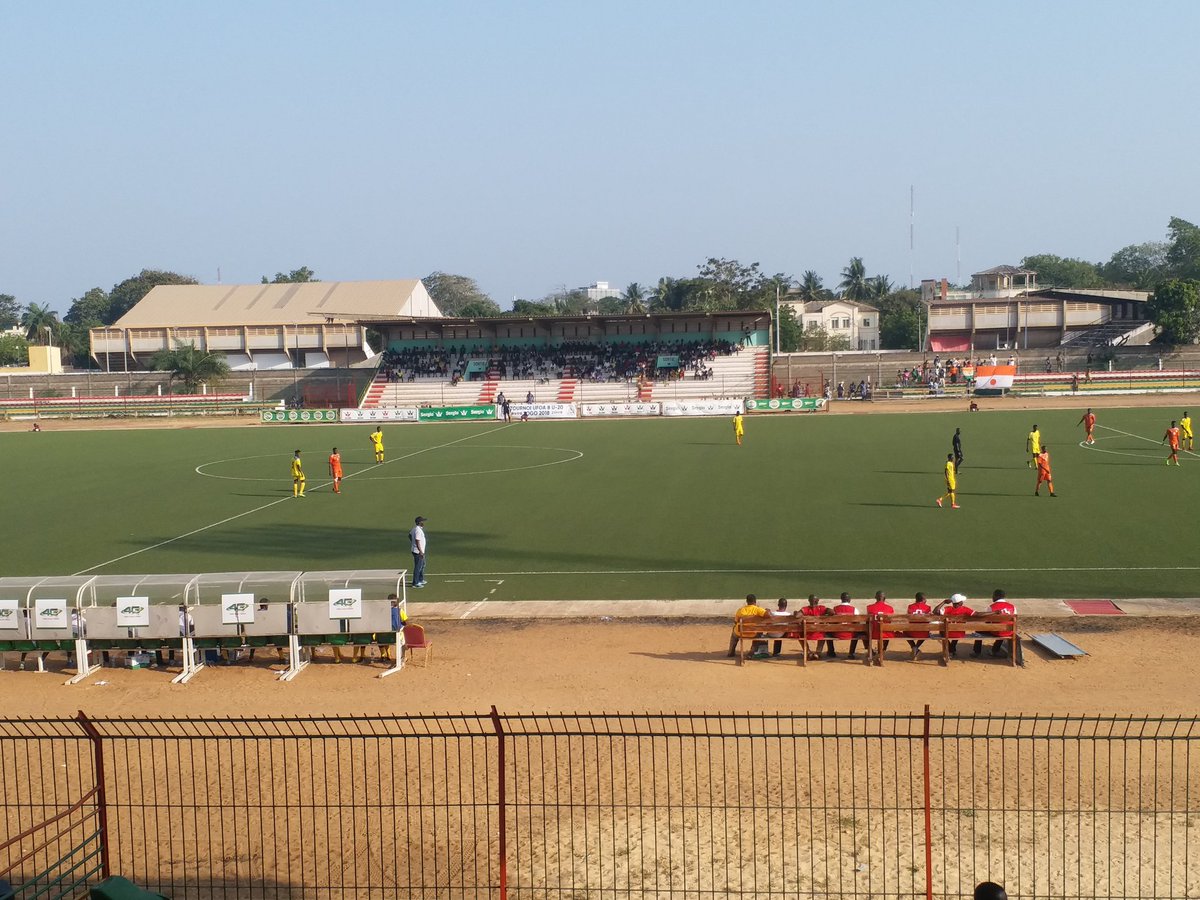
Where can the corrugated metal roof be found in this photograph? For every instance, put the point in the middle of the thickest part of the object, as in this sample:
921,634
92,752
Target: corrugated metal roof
278,304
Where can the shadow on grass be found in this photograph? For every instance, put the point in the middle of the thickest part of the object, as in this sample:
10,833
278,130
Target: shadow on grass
931,505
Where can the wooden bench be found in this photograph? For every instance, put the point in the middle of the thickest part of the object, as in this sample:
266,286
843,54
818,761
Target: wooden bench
795,626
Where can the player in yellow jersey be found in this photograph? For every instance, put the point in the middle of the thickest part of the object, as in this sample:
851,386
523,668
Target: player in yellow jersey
738,428
377,443
951,483
1185,431
297,476
1033,446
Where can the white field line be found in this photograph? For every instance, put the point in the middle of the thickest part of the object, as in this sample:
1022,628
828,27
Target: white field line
851,571
498,582
1141,437
284,499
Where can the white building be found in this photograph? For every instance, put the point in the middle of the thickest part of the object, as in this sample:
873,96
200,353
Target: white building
600,290
858,323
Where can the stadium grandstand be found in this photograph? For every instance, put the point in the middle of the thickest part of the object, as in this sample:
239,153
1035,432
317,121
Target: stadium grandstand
309,325
567,359
1005,309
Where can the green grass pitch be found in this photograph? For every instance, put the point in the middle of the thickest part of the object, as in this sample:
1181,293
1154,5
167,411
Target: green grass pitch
626,509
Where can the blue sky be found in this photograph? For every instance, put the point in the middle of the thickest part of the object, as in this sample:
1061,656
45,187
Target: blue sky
540,145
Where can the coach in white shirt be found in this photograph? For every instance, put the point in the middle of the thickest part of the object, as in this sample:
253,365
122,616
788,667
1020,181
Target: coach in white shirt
417,537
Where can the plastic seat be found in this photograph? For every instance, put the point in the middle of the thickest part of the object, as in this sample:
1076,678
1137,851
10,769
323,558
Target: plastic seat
414,639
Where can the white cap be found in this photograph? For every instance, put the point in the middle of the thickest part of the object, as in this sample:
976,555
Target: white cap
958,598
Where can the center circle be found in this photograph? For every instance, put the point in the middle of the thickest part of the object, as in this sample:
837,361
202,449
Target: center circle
245,468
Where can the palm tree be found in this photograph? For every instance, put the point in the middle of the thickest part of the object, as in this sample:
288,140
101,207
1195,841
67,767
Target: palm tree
811,287
879,287
36,319
634,299
854,280
191,366
665,294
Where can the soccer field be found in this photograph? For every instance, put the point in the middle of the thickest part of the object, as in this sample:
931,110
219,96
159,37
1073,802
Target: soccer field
626,509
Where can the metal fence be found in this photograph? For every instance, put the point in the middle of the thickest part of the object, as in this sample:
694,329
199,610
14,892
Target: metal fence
618,806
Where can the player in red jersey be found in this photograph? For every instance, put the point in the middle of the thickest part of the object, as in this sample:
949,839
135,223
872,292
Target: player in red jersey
1000,606
817,609
1172,437
919,607
879,608
335,470
1089,426
845,607
955,606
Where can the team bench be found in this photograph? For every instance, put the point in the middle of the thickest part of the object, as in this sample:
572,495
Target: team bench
872,631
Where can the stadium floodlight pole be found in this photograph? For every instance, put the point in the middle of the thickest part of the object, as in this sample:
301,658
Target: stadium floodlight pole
777,345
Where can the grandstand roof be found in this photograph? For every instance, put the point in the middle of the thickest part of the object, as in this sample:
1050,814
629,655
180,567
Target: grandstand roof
276,304
405,318
1005,270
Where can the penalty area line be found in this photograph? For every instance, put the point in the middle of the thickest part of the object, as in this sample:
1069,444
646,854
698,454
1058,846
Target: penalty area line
832,571
285,499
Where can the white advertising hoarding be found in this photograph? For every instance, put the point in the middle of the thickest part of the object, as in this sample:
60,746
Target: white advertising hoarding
701,407
237,609
544,410
383,414
51,614
133,612
621,409
10,615
345,603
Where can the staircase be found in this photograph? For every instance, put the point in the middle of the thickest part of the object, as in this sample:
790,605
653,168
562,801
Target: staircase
566,390
491,386
375,392
646,392
762,373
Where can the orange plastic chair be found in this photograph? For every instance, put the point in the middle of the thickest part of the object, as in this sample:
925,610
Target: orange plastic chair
414,639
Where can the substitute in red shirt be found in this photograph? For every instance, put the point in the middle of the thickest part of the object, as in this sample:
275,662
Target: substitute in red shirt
955,606
1000,606
879,608
846,607
919,607
816,608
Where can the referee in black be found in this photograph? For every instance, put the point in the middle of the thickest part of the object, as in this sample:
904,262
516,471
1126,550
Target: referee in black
958,456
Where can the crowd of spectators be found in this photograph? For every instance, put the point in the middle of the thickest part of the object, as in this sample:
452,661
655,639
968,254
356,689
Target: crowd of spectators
585,360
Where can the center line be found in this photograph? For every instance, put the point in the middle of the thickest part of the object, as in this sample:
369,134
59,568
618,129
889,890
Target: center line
282,500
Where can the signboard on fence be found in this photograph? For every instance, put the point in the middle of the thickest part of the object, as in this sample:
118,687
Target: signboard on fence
345,603
781,404
544,410
621,409
300,415
701,407
456,413
10,615
50,614
237,609
383,414
133,612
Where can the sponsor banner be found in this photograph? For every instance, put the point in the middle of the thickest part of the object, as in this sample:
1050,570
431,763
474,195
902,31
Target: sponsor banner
10,615
237,609
994,379
345,603
621,409
701,407
300,415
50,614
804,404
667,361
544,410
456,413
133,612
383,414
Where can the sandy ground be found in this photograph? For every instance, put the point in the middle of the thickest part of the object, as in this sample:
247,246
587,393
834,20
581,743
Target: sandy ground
1134,666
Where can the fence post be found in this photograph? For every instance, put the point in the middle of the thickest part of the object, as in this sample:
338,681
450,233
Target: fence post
502,842
101,790
928,811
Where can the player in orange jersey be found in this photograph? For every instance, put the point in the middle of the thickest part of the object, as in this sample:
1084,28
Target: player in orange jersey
1172,438
335,470
1089,426
1043,471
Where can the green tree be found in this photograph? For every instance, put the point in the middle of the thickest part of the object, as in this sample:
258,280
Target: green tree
1064,272
633,299
532,308
878,288
1139,266
900,329
92,309
1175,308
10,311
190,366
728,284
14,350
854,280
455,294
126,294
301,275
811,287
791,334
1183,249
76,346
36,319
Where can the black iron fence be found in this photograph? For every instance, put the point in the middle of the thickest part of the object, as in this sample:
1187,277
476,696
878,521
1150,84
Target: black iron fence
621,806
